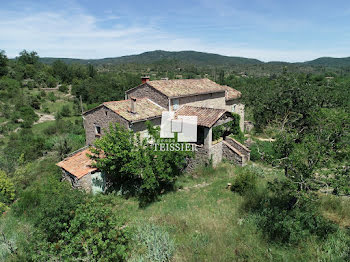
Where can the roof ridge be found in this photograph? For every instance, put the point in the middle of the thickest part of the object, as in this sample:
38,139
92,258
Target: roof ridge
124,100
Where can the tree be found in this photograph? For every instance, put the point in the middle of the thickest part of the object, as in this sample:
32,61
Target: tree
26,58
92,70
62,71
134,166
324,140
3,63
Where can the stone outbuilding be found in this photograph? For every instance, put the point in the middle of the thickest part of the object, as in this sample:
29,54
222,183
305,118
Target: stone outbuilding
78,170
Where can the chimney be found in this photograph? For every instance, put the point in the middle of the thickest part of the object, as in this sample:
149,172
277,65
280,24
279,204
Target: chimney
144,79
132,103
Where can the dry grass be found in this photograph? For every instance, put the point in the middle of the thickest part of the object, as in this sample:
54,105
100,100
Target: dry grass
207,223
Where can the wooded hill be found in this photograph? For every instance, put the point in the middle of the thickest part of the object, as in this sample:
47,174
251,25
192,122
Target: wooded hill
195,58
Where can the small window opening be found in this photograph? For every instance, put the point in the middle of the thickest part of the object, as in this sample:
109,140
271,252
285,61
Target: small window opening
97,130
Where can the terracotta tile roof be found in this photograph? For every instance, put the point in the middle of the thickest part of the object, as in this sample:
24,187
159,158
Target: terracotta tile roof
78,164
232,93
206,116
144,108
185,87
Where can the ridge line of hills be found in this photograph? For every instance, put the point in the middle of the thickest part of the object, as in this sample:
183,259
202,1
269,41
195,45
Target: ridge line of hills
195,58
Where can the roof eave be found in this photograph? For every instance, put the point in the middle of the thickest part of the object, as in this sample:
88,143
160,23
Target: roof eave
145,119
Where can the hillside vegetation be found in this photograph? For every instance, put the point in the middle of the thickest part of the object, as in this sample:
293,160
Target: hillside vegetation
290,203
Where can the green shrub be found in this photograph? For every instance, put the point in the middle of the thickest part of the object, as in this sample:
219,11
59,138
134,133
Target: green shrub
65,111
51,97
155,241
95,234
7,189
336,247
288,216
50,206
244,183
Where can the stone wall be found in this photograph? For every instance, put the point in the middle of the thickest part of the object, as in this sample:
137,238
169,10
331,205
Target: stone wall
230,154
153,94
215,153
241,148
101,116
201,157
212,100
83,183
142,128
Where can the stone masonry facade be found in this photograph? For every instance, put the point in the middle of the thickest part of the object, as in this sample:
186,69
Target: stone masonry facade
102,117
147,91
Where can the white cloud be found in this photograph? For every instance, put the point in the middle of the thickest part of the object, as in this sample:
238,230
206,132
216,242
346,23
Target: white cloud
74,33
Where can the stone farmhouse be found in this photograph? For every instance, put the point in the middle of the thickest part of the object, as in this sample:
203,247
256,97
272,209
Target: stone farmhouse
210,102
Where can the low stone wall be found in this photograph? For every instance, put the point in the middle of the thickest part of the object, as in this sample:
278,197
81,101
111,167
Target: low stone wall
201,157
215,153
230,154
241,148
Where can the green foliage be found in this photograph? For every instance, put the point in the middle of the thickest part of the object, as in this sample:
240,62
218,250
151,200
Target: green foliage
51,96
3,63
23,146
336,247
96,233
50,205
157,242
245,183
62,71
288,216
228,128
134,166
105,87
27,58
65,111
264,151
7,190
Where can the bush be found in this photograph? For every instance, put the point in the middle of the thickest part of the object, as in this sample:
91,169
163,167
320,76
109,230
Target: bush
7,189
159,247
52,97
288,216
49,206
244,183
95,234
65,111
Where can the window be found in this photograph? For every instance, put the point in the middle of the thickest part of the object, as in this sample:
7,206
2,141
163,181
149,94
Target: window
175,104
97,130
106,113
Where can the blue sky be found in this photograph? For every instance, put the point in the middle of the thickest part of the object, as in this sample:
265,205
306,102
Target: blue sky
263,29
